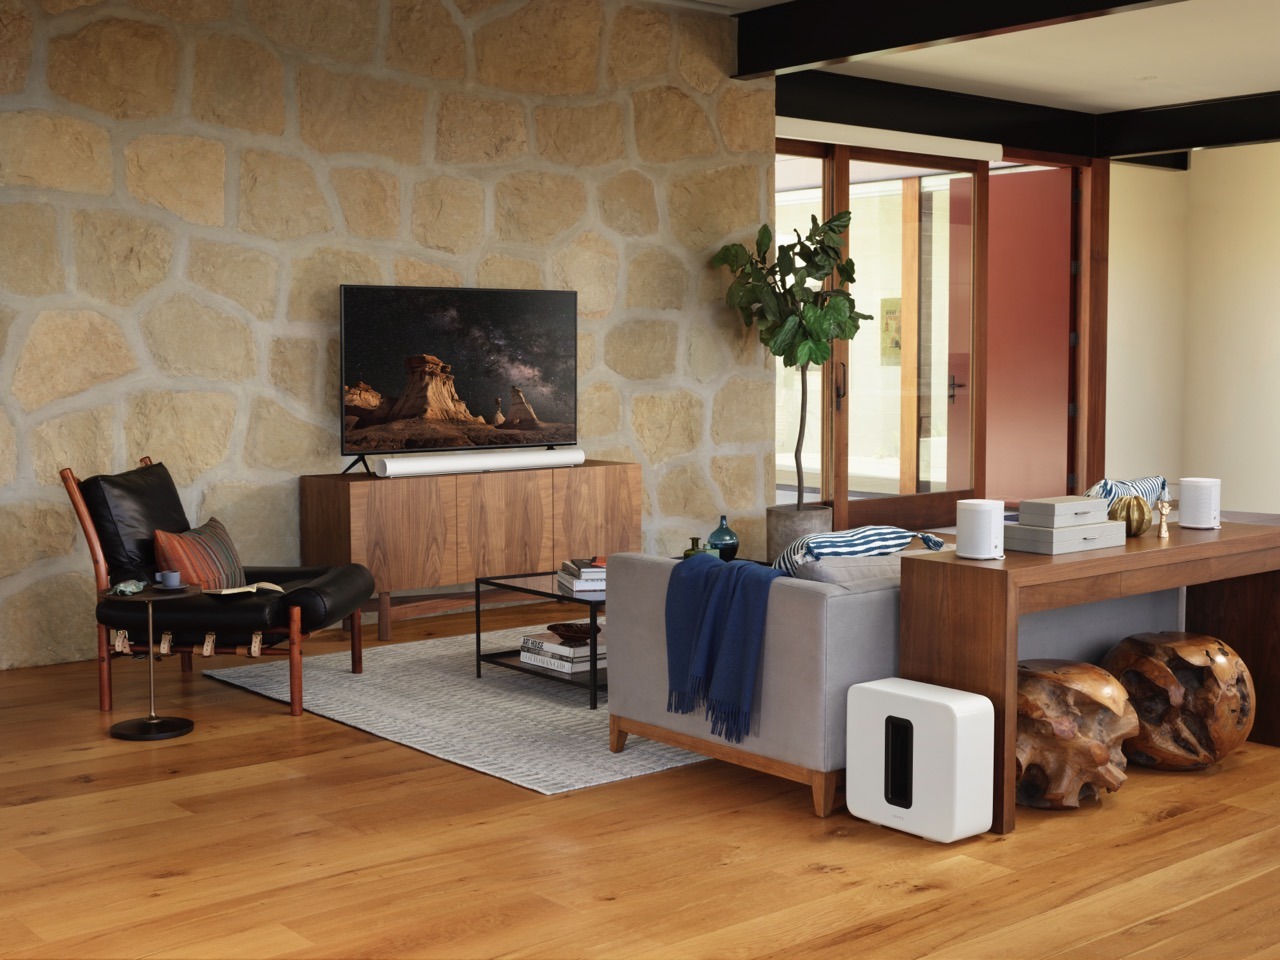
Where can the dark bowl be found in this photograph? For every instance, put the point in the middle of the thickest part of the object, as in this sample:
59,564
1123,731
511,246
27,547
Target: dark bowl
572,631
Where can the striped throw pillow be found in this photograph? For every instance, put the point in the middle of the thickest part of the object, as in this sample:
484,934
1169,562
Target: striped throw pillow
204,556
1150,489
872,541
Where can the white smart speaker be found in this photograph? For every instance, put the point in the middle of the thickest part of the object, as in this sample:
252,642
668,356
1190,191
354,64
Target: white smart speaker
980,529
921,758
1199,503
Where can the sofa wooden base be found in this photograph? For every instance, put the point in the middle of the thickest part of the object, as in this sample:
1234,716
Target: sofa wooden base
823,783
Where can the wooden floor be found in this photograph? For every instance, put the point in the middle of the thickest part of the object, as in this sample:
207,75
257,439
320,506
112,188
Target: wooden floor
262,835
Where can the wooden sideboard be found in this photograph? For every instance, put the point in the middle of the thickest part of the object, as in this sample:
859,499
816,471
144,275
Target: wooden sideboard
419,533
960,617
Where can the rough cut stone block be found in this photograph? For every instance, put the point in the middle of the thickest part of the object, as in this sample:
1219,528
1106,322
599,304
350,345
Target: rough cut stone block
293,366
670,126
190,430
185,175
667,425
350,113
314,293
640,45
735,476
599,411
62,6
34,530
709,206
238,273
537,206
50,621
656,279
186,338
586,351
8,450
479,130
684,492
119,257
29,261
345,30
740,409
261,518
628,204
588,265
448,214
278,440
705,50
194,11
745,116
42,149
642,349
409,271
544,47
370,201
424,40
15,45
80,440
239,84
581,136
706,354
280,198
123,68
68,351
509,273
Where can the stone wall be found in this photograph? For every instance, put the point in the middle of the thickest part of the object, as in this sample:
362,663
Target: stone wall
184,184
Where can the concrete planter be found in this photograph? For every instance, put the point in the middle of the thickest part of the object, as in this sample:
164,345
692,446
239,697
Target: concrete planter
784,524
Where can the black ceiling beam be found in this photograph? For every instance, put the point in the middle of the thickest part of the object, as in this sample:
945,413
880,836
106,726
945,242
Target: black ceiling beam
1181,160
804,34
857,101
1230,121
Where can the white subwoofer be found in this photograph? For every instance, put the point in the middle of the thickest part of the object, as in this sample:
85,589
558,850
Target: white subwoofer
1200,503
980,529
921,758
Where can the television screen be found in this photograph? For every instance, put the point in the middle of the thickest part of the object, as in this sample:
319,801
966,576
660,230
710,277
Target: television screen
447,368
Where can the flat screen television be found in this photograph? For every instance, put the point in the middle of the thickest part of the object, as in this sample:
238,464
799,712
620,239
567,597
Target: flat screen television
446,368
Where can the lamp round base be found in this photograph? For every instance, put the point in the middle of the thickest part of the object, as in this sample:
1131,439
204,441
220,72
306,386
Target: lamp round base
152,728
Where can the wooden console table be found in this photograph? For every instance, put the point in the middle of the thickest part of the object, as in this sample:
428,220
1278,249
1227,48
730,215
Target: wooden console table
960,617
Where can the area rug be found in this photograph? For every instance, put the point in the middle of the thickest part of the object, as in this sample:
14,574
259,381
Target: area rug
525,729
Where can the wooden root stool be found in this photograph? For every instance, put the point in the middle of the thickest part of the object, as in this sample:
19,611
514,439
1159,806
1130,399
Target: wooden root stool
1194,697
1072,718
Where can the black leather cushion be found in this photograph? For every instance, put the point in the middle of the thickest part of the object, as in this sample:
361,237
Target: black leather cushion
325,595
127,509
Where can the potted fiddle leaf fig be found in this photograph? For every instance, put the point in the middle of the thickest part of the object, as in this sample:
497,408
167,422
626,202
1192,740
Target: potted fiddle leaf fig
797,318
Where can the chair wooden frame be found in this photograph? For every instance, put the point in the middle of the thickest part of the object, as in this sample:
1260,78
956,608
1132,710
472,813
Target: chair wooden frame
106,651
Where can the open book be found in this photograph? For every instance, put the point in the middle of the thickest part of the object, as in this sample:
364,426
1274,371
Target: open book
248,588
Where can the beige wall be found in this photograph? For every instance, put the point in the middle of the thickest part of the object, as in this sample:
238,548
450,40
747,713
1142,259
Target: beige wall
1193,342
184,184
1146,318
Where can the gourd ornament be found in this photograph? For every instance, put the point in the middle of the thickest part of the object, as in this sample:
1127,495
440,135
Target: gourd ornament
1134,511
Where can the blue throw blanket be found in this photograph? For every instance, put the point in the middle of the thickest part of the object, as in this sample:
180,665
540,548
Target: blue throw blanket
715,632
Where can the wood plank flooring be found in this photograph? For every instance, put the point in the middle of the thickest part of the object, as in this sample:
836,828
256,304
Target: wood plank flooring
261,835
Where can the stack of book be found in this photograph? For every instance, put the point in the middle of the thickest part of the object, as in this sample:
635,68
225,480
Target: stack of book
547,650
582,576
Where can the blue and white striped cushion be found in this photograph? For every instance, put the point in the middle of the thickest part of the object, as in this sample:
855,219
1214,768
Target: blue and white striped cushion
1150,489
874,541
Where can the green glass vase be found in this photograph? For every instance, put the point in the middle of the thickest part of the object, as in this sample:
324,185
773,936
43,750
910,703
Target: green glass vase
724,540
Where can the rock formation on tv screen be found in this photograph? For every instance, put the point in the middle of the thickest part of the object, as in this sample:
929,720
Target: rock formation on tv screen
430,393
522,414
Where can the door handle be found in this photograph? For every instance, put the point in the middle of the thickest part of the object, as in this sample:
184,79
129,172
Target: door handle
952,387
841,388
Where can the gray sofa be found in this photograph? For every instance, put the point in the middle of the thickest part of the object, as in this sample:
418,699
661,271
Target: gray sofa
820,638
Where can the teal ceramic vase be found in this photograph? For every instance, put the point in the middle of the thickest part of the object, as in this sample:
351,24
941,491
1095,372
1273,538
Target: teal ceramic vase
724,540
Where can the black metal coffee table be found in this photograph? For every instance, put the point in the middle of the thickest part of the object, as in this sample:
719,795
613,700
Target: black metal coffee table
546,586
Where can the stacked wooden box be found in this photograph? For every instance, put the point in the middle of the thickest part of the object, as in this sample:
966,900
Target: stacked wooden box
1063,525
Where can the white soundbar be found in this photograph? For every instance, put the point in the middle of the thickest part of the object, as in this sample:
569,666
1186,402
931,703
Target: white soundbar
477,462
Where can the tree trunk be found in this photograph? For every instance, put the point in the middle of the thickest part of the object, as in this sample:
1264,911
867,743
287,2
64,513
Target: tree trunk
804,413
